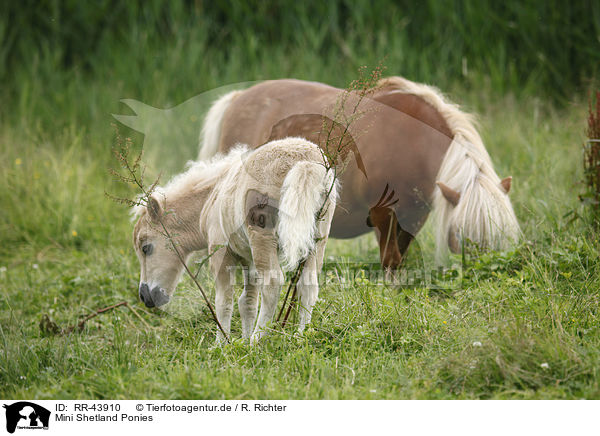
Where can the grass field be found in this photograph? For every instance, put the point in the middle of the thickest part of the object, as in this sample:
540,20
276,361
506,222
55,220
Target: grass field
523,324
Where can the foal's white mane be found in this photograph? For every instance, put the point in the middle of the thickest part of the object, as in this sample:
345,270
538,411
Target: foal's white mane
198,173
204,171
484,213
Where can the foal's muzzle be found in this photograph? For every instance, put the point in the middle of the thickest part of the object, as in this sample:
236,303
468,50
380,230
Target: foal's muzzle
155,297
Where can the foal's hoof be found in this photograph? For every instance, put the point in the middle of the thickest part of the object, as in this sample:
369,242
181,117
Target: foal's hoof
256,336
219,341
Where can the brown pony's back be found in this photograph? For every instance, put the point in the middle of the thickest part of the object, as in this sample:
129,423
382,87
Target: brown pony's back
400,143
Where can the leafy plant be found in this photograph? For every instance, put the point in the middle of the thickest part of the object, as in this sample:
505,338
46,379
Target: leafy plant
591,159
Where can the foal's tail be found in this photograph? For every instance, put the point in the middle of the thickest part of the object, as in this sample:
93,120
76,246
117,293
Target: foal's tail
303,193
211,129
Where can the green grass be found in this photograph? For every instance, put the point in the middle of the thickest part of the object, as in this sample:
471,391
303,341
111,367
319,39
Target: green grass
536,305
65,248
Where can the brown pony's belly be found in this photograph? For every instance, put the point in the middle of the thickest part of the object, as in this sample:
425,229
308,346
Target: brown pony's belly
399,143
348,225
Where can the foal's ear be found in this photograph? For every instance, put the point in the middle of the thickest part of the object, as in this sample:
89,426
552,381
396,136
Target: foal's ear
505,184
154,209
449,194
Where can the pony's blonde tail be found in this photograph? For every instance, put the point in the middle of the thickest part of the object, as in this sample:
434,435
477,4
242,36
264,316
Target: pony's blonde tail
302,195
211,129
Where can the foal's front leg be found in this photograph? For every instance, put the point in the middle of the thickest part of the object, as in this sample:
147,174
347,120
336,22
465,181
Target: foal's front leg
221,264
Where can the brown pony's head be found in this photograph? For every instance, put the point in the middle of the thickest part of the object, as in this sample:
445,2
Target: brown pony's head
472,222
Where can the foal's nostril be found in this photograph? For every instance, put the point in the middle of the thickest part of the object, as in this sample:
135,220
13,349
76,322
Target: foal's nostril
159,296
145,295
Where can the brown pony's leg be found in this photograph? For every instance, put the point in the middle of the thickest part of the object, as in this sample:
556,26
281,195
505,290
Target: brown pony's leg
389,250
404,239
393,241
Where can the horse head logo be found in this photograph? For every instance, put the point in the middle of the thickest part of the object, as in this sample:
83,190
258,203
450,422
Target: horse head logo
29,415
171,135
166,131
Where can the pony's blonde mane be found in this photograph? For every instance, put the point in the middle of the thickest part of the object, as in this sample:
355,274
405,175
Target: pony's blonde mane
484,213
198,174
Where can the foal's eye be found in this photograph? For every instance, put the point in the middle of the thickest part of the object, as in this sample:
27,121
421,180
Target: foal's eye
147,249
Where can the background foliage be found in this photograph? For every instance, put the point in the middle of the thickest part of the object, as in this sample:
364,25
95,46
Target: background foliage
550,46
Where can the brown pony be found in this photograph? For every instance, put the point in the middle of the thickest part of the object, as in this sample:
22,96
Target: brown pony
414,152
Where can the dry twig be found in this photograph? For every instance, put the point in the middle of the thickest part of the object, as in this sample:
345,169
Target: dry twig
335,151
49,326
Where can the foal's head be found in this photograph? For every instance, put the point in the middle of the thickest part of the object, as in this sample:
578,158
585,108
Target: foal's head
161,267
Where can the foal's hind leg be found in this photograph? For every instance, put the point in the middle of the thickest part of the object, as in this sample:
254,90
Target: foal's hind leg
268,277
308,291
308,284
248,303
